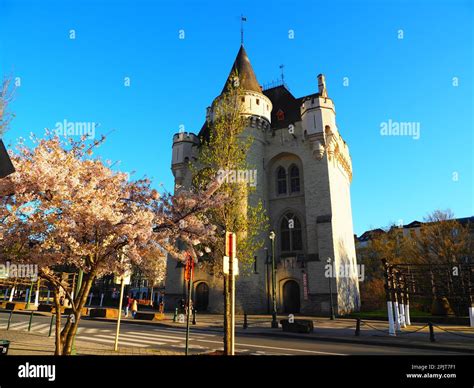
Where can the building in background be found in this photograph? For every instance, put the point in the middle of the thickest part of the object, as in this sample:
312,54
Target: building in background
410,230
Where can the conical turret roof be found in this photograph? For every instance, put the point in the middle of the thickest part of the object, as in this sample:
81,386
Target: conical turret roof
244,69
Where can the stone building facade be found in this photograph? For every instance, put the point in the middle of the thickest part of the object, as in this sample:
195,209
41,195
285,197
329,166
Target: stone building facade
304,173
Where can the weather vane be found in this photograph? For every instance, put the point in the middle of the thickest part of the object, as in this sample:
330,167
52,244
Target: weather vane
282,74
242,20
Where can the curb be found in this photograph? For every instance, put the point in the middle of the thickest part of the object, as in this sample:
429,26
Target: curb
447,348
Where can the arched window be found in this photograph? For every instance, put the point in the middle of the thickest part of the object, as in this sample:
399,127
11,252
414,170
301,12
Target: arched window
291,233
281,180
294,179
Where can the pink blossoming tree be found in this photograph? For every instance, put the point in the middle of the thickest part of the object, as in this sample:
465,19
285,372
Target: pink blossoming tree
64,208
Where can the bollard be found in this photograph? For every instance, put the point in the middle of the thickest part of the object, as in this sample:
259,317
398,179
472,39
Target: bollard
432,337
9,319
31,319
246,324
12,294
194,316
357,332
175,316
37,295
51,325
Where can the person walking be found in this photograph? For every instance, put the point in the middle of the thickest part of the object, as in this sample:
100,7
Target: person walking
182,306
127,303
134,308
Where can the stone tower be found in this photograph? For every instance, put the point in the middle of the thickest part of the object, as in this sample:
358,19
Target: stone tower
304,173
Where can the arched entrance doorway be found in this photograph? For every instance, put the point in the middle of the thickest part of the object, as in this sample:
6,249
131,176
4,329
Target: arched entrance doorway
291,297
201,297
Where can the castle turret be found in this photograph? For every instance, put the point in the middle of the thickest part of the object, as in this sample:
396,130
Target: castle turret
318,116
318,110
183,151
253,102
256,107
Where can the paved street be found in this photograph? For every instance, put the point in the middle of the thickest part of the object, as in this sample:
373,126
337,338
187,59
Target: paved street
146,336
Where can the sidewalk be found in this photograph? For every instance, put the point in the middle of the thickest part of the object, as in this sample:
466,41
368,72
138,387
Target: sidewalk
28,344
447,337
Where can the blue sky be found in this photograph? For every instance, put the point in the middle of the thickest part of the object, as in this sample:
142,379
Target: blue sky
172,81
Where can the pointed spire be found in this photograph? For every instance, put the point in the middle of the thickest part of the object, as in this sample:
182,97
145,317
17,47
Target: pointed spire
244,70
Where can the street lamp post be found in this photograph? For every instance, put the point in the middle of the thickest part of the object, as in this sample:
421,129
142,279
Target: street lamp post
267,278
274,311
329,261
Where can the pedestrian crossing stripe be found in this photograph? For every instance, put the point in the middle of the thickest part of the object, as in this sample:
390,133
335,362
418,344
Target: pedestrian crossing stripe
145,339
18,325
112,341
140,339
160,336
129,340
193,332
89,330
40,326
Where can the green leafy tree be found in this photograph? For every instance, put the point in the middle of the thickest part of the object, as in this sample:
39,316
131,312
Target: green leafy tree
442,240
224,153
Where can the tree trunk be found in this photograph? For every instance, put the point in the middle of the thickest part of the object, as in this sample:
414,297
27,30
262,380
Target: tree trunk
433,285
58,344
69,331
